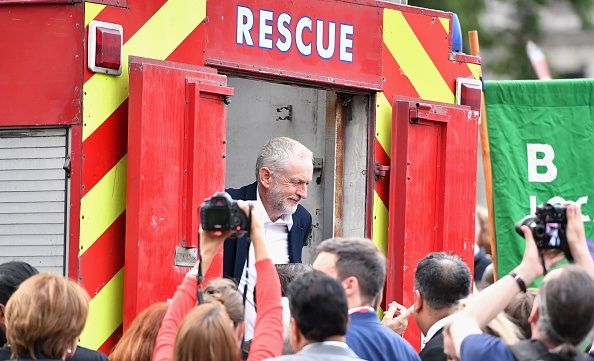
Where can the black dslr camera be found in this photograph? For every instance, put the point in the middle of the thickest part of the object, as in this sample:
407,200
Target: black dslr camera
548,227
221,213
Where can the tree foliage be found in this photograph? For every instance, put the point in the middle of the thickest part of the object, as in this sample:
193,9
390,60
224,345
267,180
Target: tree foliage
508,45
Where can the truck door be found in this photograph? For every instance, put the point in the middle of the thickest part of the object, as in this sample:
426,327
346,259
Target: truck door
176,158
432,190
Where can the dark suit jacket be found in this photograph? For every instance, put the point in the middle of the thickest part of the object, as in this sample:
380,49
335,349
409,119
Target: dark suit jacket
481,261
80,354
236,249
433,350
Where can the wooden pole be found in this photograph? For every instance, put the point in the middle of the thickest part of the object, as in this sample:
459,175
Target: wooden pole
486,153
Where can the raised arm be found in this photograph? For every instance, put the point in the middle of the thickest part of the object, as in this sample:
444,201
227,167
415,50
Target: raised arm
487,304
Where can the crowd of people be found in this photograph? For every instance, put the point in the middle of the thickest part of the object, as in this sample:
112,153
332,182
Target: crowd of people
271,307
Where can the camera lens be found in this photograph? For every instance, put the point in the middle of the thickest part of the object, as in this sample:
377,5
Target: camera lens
538,231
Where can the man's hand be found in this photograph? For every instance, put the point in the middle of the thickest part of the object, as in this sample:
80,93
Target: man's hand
256,230
396,318
576,239
210,240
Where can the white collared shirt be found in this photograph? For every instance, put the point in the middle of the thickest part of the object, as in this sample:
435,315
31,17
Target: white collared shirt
434,328
361,309
327,343
276,237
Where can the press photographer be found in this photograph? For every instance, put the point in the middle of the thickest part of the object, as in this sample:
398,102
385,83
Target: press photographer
208,331
562,315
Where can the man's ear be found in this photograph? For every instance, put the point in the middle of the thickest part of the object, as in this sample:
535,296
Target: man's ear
295,336
535,313
351,286
419,301
265,177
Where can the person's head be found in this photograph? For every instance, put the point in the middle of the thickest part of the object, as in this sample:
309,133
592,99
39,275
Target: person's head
441,280
138,342
12,274
224,291
45,316
563,312
519,310
357,264
206,334
482,229
288,272
319,310
284,169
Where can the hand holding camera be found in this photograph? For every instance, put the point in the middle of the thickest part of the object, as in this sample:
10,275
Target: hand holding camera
556,227
221,213
548,227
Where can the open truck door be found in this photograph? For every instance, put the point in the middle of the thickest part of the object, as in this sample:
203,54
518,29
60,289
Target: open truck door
433,167
176,158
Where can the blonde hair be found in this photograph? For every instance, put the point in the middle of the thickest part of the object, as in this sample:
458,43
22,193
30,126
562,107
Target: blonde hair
45,316
206,334
501,326
138,342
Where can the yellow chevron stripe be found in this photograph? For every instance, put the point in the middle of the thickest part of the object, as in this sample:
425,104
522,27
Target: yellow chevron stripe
413,59
383,123
102,205
91,12
106,312
380,223
475,69
445,22
161,34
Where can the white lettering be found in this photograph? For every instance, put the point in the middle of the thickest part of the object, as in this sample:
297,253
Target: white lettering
581,201
533,150
265,29
560,200
280,32
302,24
283,19
346,42
533,204
325,53
245,21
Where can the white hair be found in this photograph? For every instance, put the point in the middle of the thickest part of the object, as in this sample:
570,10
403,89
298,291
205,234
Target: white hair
276,154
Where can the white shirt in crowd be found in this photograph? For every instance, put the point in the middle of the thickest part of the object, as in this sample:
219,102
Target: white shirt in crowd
276,237
434,328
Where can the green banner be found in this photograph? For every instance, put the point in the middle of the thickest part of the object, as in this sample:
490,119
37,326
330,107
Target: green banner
541,135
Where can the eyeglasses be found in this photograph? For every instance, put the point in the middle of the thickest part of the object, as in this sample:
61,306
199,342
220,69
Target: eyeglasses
295,183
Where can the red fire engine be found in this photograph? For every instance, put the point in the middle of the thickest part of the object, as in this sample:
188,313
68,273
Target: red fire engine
118,117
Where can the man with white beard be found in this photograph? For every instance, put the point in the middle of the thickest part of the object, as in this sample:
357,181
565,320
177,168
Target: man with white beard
284,169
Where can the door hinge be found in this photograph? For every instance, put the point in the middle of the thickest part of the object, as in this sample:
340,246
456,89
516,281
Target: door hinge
381,171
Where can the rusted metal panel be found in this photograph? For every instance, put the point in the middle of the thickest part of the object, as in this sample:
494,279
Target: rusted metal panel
432,190
280,39
176,151
41,80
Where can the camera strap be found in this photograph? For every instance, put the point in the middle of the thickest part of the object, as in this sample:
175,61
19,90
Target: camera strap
542,261
199,293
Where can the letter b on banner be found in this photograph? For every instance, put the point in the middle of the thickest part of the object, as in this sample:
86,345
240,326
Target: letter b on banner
541,155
